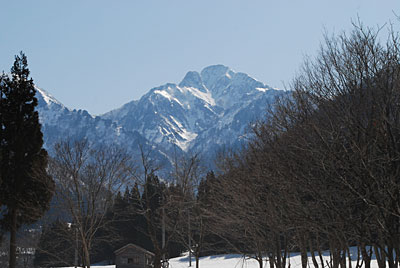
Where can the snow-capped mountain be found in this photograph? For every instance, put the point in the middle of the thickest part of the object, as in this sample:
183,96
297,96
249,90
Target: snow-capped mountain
59,122
203,112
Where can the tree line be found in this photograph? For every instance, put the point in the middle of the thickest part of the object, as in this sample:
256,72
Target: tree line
99,213
322,172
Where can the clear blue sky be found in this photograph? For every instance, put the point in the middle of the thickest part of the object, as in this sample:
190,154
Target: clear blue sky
97,55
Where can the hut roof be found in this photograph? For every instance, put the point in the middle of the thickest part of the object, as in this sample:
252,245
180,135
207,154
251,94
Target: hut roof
130,245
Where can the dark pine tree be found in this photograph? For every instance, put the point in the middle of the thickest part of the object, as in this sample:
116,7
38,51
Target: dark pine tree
212,244
56,246
138,223
26,188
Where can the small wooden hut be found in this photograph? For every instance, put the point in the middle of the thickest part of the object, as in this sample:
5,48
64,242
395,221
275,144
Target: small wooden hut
133,256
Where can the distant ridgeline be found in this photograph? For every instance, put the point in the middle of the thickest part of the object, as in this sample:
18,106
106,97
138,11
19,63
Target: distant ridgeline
203,113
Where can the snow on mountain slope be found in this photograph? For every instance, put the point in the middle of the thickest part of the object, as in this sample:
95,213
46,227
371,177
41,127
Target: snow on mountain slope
204,111
60,123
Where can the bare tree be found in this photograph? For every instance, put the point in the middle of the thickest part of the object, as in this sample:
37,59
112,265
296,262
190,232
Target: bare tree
153,206
336,140
87,179
184,200
323,166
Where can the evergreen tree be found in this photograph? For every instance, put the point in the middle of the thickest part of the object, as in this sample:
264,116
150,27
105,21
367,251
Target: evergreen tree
26,188
135,198
138,223
211,243
108,238
56,246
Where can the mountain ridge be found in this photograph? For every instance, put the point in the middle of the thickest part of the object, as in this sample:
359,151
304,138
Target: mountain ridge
206,110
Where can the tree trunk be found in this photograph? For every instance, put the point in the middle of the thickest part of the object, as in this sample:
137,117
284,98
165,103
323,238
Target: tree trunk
163,235
303,250
358,264
334,253
271,261
314,259
285,252
260,262
343,253
86,254
397,252
189,241
390,257
319,249
349,256
304,259
157,261
380,257
278,252
335,257
76,248
13,239
197,261
365,256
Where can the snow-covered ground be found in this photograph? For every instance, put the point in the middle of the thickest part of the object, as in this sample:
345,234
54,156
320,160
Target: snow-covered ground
238,261
219,261
95,266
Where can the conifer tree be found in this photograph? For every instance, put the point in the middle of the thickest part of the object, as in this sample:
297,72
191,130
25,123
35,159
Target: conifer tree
26,188
56,245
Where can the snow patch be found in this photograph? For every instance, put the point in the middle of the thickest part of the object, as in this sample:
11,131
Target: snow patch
205,96
262,89
49,99
166,95
118,130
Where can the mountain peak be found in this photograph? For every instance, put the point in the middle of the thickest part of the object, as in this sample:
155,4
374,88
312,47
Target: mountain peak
216,68
47,97
212,74
205,110
192,79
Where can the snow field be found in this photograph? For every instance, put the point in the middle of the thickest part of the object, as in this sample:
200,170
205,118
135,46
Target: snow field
238,261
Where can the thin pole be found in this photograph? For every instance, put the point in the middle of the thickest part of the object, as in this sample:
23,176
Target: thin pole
76,247
190,245
163,235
